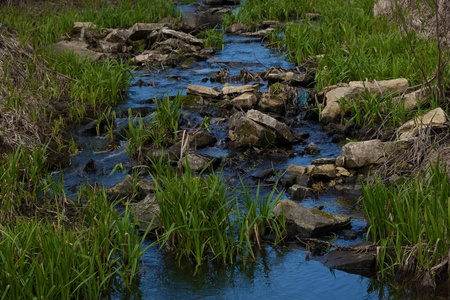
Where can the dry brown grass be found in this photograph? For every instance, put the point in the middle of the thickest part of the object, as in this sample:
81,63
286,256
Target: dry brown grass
27,112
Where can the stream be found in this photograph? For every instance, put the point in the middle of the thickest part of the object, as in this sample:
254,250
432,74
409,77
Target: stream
279,272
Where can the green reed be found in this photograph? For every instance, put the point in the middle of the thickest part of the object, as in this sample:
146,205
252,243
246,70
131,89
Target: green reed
410,222
204,220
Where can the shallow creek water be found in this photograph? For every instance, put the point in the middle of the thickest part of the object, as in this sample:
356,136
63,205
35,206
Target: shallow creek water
280,272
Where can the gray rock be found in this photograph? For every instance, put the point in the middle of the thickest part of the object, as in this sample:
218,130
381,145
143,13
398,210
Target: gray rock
141,31
361,154
273,102
361,262
237,28
118,36
382,87
196,162
79,29
248,133
299,192
434,118
80,48
324,161
333,107
307,222
240,89
291,78
323,172
202,139
245,101
149,57
282,130
312,149
146,212
295,170
185,37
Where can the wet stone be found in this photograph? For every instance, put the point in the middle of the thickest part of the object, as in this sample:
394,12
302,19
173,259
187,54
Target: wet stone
295,170
312,149
361,262
324,161
307,222
202,91
146,212
299,192
324,172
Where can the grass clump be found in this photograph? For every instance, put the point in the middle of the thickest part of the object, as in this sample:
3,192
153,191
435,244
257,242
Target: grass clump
410,222
157,130
45,259
213,38
203,220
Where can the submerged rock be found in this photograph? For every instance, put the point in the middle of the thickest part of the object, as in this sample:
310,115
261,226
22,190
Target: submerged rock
307,222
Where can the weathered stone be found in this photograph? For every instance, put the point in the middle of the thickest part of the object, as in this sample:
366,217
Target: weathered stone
397,147
307,222
229,89
323,172
149,56
435,117
361,154
141,31
245,101
185,37
202,91
355,262
291,78
309,169
299,192
146,212
333,108
272,103
342,172
382,87
126,188
202,139
118,36
196,162
113,48
248,133
79,29
295,170
237,28
324,161
270,23
259,33
312,149
411,100
282,130
79,48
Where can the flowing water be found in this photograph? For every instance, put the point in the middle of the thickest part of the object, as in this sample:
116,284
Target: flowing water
280,272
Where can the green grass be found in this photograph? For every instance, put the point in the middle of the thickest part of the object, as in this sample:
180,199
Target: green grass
213,38
43,259
410,222
203,220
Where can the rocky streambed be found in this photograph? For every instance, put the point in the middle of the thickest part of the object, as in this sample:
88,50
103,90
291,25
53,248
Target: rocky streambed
247,110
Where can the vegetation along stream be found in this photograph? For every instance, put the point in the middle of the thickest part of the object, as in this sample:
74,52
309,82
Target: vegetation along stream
224,149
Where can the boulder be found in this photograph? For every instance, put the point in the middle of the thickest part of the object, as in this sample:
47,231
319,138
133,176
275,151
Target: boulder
140,31
333,108
237,28
229,89
146,212
361,154
307,222
282,130
202,91
434,118
245,101
382,87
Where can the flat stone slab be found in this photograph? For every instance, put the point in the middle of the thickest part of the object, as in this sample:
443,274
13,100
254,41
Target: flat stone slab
307,222
281,129
360,262
202,91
